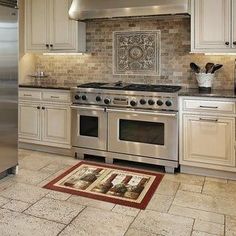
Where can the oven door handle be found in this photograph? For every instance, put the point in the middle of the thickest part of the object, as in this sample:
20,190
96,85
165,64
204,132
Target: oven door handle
90,108
168,114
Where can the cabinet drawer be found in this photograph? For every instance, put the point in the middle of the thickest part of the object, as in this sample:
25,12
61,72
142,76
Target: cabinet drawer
30,94
209,106
56,96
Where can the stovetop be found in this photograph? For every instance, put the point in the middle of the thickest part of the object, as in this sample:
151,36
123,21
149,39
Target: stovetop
132,87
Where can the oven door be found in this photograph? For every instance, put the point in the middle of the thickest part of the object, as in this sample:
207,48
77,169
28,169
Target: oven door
150,134
89,127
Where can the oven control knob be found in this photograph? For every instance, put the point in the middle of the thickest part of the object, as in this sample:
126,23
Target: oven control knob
77,97
151,102
84,97
107,100
133,103
168,103
159,102
142,101
98,99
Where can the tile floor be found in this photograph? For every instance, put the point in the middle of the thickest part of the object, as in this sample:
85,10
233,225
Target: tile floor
183,205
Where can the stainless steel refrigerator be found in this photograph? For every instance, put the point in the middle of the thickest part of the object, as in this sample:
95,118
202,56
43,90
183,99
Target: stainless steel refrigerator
8,87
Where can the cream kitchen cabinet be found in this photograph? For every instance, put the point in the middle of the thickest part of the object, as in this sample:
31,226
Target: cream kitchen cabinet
49,29
45,121
207,134
213,26
209,140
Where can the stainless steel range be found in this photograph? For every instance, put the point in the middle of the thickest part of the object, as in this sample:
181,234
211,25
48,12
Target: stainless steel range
135,122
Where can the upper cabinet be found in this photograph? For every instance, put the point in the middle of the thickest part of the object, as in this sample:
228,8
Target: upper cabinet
213,25
49,29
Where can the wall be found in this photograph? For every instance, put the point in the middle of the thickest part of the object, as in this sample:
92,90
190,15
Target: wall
175,57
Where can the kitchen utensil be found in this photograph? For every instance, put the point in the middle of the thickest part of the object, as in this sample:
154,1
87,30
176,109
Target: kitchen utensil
195,67
215,68
209,66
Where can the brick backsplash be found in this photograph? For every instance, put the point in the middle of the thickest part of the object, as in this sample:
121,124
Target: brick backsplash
175,56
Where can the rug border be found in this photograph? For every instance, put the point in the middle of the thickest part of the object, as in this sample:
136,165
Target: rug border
142,205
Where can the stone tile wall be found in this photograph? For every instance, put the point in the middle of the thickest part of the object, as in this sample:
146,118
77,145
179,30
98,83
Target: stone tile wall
175,56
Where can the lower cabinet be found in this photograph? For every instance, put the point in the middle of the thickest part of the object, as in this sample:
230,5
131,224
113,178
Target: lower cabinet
30,121
209,140
45,120
56,124
207,134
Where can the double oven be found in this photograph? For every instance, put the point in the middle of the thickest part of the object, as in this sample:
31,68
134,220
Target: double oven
148,136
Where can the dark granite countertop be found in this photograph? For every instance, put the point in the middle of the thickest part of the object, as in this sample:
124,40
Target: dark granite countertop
213,94
48,85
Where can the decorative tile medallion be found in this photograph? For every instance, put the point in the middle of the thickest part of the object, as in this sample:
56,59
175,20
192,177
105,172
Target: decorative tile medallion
124,186
136,52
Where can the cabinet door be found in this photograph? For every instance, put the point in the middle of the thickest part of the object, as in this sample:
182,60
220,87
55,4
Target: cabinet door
63,31
56,124
29,121
209,140
211,24
36,25
234,23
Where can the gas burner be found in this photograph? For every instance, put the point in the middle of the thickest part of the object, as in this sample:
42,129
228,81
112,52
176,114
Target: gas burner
91,85
153,88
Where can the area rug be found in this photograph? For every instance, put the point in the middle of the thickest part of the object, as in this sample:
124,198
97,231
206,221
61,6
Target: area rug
110,183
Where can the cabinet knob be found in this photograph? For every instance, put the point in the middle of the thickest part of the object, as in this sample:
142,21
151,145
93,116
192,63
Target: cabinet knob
43,108
47,45
234,43
227,43
51,45
38,107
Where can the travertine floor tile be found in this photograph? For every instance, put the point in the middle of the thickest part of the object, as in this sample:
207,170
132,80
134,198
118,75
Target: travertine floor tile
209,227
219,189
91,202
230,227
184,178
24,192
30,176
190,188
221,205
3,201
51,209
14,223
58,195
199,233
53,168
211,179
129,211
162,223
17,206
160,203
197,214
93,221
135,232
167,187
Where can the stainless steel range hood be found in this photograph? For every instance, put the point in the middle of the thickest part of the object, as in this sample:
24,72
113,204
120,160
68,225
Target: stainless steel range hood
92,9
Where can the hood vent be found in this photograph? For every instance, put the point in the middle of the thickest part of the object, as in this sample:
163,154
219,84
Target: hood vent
92,9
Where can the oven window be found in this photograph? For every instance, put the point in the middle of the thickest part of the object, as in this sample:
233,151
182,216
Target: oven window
142,131
89,126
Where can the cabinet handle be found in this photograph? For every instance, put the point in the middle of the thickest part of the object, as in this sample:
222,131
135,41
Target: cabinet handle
43,108
227,43
27,95
54,97
210,120
208,107
38,107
